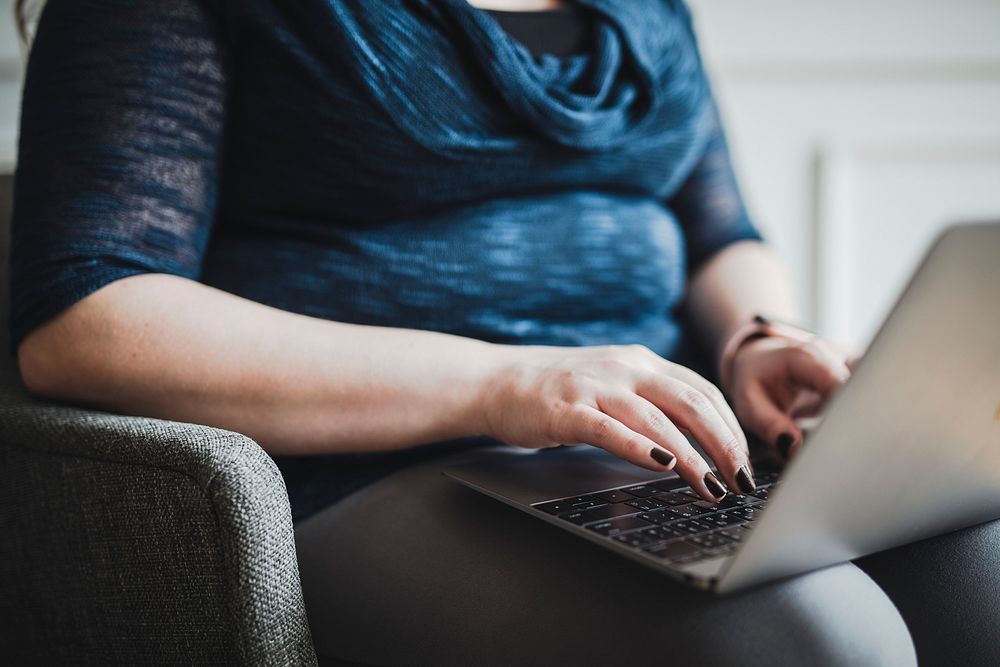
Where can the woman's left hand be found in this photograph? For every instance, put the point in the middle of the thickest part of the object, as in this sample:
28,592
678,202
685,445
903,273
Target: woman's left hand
777,380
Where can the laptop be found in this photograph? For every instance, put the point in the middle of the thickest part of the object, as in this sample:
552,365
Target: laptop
908,448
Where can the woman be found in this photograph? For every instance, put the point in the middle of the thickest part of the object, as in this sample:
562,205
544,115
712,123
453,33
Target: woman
351,229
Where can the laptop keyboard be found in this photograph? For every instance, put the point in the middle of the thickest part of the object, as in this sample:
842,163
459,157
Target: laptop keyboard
666,518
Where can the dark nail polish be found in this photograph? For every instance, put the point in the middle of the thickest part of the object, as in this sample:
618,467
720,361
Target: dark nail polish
784,442
745,480
661,456
714,485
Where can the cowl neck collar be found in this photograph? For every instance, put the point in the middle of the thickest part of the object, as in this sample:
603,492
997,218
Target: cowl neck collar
452,78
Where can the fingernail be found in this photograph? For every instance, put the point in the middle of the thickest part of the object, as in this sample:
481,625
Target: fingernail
745,480
662,456
714,485
784,442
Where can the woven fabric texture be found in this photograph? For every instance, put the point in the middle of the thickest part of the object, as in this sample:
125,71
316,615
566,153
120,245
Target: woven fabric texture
139,541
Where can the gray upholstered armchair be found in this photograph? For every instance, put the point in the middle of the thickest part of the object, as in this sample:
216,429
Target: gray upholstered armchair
138,541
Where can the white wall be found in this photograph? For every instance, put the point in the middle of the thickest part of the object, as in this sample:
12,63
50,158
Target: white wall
859,128
10,84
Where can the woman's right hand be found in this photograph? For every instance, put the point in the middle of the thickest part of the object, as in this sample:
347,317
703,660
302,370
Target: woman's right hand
626,400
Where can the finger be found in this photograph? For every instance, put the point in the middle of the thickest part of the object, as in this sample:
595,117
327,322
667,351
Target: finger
765,418
714,394
643,417
846,352
646,419
817,368
806,404
690,409
602,430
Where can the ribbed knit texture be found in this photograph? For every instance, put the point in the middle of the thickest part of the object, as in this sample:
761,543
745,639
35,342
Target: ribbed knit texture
393,163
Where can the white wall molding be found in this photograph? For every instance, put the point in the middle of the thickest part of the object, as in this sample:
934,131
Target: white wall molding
762,70
873,222
11,69
11,72
850,31
858,129
832,239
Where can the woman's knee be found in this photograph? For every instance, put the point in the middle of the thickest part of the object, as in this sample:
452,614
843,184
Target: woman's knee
948,590
835,616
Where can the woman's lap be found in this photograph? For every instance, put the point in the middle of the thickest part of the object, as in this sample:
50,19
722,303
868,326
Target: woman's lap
947,589
418,570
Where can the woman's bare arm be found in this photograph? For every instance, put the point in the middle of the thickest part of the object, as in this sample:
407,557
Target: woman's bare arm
773,380
163,346
743,280
168,347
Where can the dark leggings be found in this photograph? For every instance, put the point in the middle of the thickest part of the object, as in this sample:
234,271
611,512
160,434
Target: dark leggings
947,589
418,570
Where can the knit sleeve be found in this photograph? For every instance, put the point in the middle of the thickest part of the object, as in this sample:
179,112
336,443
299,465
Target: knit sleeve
118,163
709,205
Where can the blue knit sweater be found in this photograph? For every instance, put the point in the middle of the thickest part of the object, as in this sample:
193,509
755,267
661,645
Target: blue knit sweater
400,163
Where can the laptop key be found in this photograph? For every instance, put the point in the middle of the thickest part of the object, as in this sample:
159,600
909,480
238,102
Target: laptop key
638,538
601,513
584,500
688,511
746,513
660,516
709,540
700,526
670,531
736,533
706,506
665,532
646,504
677,551
617,496
729,519
633,539
555,507
673,498
587,504
642,491
722,520
674,484
681,526
692,526
733,500
616,526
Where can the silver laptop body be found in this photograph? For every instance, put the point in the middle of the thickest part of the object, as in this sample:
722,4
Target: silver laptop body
909,448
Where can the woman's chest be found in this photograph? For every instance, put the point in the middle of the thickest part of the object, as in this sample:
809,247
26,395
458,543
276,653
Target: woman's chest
330,153
342,122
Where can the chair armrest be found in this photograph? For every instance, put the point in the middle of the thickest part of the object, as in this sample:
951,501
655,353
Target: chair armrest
132,541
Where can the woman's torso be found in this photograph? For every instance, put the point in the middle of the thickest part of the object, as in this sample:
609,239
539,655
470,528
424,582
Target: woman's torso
413,165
